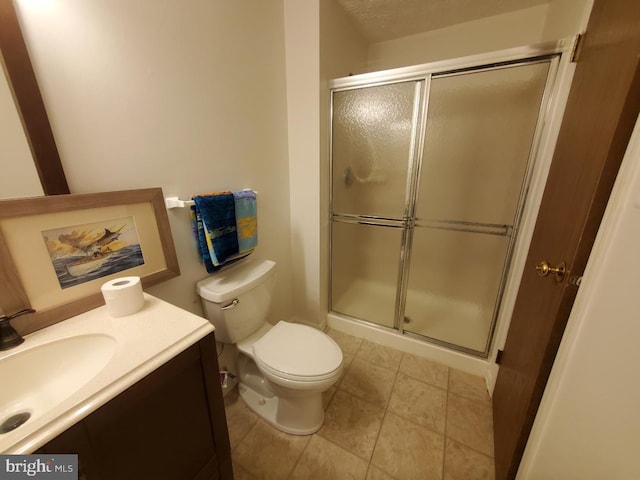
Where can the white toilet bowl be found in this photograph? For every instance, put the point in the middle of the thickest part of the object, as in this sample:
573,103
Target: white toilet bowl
296,364
283,369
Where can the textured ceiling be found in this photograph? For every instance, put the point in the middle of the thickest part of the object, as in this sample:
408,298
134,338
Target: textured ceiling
380,20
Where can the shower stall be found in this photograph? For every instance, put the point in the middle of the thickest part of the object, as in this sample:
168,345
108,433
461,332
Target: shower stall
430,168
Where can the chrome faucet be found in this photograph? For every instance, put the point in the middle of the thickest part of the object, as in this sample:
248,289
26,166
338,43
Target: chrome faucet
9,338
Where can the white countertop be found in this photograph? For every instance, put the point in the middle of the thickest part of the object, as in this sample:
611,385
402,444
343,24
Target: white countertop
145,341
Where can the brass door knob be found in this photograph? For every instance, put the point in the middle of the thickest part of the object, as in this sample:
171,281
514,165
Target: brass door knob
558,271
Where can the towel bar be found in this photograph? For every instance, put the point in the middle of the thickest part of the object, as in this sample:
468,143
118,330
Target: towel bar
175,202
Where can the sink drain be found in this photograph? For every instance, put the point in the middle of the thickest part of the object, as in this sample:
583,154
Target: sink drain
14,422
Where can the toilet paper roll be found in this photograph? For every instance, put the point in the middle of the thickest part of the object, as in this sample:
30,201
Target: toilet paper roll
123,296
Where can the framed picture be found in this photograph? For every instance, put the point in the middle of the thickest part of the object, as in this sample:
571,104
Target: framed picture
57,251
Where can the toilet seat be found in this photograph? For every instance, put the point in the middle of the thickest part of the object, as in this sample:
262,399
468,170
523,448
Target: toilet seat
298,353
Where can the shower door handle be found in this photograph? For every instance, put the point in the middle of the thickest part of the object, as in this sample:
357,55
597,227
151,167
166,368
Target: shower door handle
559,271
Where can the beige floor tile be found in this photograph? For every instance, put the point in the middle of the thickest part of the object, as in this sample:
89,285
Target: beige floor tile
346,363
323,460
408,451
268,453
425,370
470,423
327,396
419,402
468,386
241,473
240,419
348,343
360,439
369,382
462,463
352,423
375,473
380,355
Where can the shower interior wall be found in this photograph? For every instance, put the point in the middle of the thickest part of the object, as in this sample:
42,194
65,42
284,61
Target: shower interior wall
531,26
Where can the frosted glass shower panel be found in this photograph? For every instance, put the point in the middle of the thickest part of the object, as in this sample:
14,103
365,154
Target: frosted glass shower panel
480,129
364,271
371,148
454,281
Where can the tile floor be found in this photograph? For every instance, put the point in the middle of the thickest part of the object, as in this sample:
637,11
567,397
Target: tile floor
392,416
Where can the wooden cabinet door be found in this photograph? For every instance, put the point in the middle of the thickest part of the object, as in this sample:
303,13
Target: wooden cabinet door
170,425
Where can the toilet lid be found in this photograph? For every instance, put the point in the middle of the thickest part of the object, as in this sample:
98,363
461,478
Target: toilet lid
297,352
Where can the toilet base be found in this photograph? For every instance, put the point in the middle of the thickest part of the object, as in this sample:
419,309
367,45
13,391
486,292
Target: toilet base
300,423
302,417
298,412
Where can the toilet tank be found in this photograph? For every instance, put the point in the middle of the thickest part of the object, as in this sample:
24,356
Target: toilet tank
237,299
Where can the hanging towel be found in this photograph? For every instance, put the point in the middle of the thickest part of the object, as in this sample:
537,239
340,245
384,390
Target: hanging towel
201,241
225,227
246,220
218,217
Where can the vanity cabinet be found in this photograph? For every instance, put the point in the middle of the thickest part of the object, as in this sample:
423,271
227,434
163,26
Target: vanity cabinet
170,425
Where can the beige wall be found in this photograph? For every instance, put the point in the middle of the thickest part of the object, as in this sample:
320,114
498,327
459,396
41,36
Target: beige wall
321,43
522,27
18,177
566,18
150,93
555,20
342,49
303,103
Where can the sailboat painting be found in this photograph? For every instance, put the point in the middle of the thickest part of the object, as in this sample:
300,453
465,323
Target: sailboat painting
82,253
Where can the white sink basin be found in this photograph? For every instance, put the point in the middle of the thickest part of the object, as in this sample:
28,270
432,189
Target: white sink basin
39,378
64,372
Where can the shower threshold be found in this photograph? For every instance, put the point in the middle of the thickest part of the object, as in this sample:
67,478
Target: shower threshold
409,344
439,318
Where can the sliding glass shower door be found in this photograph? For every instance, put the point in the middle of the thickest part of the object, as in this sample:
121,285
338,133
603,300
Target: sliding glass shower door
373,141
429,178
479,134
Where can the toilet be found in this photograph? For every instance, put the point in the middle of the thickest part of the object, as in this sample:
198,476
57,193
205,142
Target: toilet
282,369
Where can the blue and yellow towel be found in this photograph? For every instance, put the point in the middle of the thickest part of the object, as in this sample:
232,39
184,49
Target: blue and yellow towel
246,220
225,225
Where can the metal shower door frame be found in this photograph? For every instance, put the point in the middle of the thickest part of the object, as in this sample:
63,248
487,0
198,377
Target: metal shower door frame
548,52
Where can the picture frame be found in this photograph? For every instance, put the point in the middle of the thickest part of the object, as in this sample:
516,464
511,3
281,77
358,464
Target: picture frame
57,251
